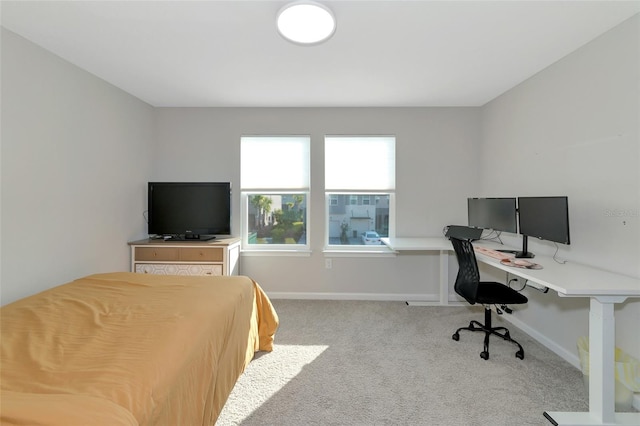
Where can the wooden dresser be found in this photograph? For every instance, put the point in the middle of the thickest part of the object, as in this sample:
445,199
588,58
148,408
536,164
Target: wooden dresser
216,257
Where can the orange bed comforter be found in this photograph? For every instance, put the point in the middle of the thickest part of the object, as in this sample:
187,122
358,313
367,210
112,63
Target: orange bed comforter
130,349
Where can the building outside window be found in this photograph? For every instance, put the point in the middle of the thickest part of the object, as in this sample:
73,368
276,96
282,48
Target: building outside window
348,221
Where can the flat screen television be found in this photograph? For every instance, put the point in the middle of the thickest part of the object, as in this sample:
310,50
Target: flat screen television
499,214
189,210
545,218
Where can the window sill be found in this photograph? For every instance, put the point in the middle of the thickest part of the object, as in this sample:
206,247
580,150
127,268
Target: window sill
276,252
382,251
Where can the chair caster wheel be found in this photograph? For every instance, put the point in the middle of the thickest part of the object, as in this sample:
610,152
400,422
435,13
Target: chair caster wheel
484,355
520,354
455,337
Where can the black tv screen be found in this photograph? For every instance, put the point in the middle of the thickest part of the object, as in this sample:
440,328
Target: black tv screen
189,210
546,218
499,214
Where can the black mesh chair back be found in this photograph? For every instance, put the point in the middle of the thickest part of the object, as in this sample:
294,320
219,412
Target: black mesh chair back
468,278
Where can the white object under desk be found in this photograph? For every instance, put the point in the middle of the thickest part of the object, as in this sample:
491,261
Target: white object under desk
603,288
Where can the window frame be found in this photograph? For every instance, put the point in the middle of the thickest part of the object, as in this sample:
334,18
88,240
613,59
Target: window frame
329,196
247,192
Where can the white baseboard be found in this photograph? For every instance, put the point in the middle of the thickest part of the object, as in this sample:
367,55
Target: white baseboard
455,303
542,339
409,299
381,297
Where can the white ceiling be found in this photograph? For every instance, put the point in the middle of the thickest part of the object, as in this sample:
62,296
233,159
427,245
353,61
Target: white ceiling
384,53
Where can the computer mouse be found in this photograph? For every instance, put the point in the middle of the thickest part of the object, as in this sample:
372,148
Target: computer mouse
522,262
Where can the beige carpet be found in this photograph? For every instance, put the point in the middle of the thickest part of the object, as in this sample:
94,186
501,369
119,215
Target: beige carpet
386,363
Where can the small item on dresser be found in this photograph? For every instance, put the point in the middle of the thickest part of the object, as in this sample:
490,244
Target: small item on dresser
521,263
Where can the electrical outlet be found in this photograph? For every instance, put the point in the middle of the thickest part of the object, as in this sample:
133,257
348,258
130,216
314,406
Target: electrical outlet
328,263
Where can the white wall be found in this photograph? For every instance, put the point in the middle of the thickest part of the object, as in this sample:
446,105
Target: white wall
573,129
437,152
75,161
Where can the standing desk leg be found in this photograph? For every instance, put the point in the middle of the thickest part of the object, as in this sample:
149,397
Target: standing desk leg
444,277
602,332
602,340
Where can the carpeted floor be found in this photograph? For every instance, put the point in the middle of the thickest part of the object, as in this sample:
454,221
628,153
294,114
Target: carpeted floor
386,363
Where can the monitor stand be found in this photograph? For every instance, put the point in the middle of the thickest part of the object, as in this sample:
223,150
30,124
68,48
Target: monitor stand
525,253
509,251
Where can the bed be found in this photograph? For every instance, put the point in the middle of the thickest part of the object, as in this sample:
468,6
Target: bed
130,349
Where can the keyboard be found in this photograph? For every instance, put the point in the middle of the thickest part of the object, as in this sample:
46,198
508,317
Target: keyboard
492,253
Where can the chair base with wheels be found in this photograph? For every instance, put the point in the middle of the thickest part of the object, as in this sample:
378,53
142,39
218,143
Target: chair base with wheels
486,328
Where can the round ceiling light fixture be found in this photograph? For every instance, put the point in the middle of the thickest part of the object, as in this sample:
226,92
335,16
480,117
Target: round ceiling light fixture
306,22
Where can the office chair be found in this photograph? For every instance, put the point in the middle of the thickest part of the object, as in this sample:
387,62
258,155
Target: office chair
469,286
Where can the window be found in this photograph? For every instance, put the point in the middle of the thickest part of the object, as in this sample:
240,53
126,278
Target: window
274,181
360,190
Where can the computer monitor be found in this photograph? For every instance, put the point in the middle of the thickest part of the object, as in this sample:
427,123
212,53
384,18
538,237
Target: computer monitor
499,214
545,218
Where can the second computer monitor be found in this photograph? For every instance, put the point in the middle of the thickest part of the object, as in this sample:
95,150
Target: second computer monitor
546,218
499,214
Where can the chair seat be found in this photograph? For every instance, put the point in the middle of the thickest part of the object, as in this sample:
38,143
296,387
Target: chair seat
496,293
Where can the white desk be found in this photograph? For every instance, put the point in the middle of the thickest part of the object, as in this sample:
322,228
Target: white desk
604,289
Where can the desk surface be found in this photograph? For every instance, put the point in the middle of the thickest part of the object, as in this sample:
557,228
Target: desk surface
569,279
417,243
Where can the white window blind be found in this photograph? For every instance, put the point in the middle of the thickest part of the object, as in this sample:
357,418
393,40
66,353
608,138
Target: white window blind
280,162
360,163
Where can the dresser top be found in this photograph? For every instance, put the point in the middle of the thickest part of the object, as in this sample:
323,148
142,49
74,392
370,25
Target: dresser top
162,242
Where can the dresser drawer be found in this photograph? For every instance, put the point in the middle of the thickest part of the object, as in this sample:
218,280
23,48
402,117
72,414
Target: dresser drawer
178,269
157,254
199,254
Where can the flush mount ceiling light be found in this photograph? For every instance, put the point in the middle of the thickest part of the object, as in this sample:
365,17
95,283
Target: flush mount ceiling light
306,22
